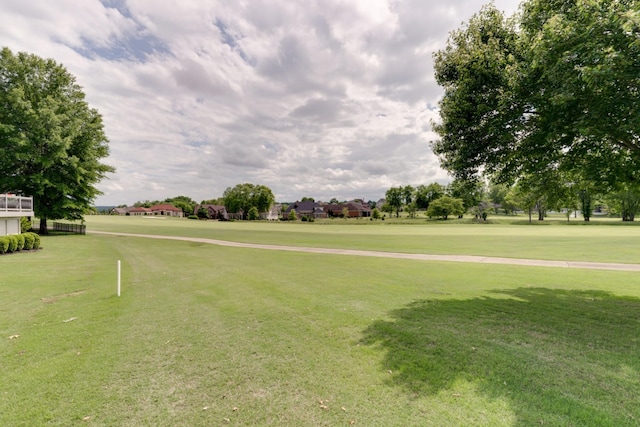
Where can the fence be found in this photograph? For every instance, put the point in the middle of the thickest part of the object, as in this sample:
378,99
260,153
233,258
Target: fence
70,228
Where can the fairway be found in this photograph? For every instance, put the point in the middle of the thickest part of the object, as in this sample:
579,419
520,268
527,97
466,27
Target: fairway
210,335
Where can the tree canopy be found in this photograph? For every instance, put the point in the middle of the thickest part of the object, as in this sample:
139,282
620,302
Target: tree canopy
243,197
554,87
51,142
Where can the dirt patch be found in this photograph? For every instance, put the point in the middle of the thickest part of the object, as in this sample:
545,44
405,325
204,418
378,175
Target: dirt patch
51,300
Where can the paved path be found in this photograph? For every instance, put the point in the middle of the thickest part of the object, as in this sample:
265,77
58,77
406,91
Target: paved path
398,255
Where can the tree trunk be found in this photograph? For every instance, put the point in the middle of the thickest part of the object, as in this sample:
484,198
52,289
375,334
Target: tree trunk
43,227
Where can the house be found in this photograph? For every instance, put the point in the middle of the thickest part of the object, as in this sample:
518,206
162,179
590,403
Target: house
213,211
353,209
118,211
166,209
12,209
307,208
273,214
138,211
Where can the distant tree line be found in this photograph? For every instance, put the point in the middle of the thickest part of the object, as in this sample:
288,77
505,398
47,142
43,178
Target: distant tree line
533,195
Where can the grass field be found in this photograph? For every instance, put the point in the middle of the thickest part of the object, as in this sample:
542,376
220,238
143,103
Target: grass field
208,335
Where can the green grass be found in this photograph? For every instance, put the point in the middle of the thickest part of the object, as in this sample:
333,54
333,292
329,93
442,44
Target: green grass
601,241
207,335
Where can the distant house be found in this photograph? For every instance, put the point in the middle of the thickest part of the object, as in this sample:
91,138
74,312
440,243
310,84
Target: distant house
306,208
12,209
139,211
353,209
118,211
273,214
213,211
166,209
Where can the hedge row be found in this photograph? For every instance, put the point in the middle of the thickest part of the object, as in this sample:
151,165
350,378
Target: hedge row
19,242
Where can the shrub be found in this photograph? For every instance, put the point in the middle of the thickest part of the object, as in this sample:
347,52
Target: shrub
20,245
4,244
28,241
13,243
193,217
25,224
36,241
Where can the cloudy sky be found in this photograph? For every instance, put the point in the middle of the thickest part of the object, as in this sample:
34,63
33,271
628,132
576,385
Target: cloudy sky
318,98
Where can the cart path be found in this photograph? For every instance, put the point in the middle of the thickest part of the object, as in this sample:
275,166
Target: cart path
397,255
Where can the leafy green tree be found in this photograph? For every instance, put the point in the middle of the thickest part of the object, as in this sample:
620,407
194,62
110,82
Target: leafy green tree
394,197
253,214
555,87
411,209
292,215
445,206
375,213
625,202
243,197
586,207
51,141
407,194
497,193
470,191
425,194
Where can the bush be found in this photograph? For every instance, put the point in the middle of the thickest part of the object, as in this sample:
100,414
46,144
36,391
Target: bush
13,243
25,224
4,244
36,241
28,241
20,239
193,217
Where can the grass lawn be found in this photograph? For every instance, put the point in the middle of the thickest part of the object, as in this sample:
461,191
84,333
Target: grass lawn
207,335
602,240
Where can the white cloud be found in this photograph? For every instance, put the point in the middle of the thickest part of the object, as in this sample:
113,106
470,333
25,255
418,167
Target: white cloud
317,98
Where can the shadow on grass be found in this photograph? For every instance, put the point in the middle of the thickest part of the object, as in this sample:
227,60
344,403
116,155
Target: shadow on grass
558,357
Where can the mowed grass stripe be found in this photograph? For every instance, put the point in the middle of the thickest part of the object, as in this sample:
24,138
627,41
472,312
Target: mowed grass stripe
205,334
589,243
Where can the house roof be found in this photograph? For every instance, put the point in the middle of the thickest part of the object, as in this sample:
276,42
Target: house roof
306,206
138,209
164,207
213,207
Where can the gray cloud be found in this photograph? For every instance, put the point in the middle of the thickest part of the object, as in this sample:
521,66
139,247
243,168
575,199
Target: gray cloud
321,98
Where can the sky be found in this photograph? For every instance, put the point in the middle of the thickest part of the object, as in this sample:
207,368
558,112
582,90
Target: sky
322,99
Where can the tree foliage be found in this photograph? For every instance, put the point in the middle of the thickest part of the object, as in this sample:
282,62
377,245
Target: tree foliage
425,194
243,197
394,197
51,142
556,87
445,206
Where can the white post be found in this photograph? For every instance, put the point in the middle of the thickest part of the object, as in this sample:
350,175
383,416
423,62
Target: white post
118,277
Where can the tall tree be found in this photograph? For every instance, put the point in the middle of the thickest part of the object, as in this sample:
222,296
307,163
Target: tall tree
425,194
394,197
556,86
243,197
51,142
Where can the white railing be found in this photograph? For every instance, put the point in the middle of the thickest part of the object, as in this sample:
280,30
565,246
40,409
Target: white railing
12,203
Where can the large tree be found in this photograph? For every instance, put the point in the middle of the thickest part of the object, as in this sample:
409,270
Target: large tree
554,88
394,197
51,142
243,197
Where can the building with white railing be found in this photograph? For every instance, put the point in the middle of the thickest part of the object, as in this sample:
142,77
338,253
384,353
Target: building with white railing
12,209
